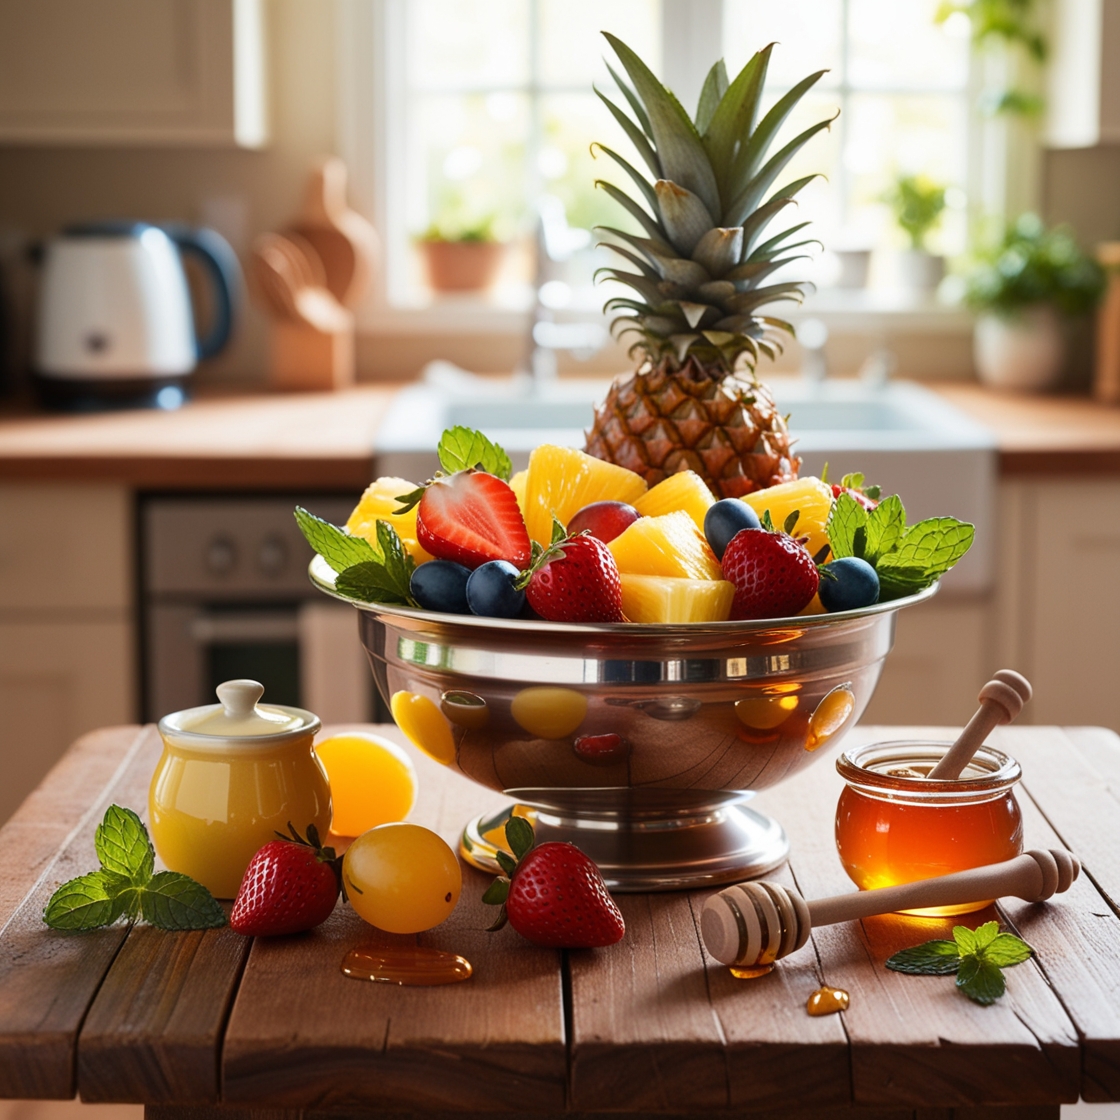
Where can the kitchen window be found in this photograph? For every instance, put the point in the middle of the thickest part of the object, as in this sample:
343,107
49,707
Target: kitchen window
483,105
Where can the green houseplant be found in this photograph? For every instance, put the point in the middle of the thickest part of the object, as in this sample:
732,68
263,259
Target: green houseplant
1021,288
917,204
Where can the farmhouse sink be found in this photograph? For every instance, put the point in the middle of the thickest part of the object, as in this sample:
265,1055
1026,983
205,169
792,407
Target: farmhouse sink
900,435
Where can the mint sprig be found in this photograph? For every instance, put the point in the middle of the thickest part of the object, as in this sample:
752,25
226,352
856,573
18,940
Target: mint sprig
978,957
906,559
462,449
126,885
384,579
333,544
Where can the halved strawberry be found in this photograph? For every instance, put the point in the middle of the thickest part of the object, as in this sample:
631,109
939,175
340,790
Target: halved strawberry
472,517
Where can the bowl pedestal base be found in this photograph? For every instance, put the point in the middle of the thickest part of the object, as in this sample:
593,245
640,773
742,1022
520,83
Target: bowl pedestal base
724,843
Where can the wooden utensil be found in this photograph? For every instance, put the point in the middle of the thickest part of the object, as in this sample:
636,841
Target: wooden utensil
343,240
757,923
1001,701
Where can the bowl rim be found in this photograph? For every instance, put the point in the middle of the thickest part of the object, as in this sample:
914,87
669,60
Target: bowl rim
323,577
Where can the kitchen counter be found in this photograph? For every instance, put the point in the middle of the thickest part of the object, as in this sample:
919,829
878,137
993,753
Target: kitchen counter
326,441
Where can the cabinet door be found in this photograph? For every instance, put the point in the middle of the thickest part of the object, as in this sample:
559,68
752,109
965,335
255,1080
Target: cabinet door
57,681
1071,602
132,71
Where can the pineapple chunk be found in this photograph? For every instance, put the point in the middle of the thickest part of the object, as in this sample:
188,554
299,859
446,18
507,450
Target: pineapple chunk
517,485
685,490
661,599
377,504
809,496
669,545
562,481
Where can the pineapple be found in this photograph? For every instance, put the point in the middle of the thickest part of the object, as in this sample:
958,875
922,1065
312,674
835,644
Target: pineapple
377,504
669,545
686,490
562,480
663,599
699,281
517,485
809,496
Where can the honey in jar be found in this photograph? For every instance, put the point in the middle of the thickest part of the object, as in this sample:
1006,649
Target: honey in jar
894,825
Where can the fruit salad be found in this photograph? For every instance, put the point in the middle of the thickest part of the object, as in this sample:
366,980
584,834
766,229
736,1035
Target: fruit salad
577,539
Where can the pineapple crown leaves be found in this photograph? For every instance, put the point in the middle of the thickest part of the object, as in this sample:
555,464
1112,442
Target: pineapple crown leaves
702,265
520,838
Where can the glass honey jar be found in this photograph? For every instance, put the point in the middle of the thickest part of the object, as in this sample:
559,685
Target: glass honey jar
894,825
231,776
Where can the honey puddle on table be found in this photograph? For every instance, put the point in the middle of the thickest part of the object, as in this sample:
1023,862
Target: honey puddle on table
410,966
827,1001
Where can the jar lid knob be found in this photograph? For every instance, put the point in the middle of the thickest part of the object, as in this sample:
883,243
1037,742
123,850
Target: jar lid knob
239,698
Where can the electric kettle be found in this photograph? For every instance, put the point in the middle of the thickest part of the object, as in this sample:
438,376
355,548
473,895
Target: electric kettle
115,324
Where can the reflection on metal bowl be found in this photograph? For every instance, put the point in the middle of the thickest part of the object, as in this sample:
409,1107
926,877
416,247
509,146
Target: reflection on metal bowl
639,743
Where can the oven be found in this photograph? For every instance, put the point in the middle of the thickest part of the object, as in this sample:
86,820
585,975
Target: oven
225,594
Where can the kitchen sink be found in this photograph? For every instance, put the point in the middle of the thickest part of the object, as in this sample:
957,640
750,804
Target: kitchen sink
900,435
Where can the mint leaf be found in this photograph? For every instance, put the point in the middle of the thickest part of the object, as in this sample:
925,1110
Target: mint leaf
519,836
1007,950
122,845
337,547
852,481
934,545
387,578
87,902
896,583
886,524
965,940
980,980
463,448
174,902
846,518
933,958
985,935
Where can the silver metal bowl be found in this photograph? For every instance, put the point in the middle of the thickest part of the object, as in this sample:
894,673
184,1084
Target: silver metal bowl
639,743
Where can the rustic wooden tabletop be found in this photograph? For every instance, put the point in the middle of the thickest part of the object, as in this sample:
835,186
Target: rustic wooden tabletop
202,1025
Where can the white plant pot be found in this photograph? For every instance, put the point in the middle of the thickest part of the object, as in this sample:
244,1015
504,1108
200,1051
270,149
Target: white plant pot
1023,353
920,272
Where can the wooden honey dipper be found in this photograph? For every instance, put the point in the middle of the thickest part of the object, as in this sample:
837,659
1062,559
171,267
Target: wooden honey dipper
758,923
1001,701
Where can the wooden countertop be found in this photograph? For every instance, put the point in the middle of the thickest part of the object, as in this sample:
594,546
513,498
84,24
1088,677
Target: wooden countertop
652,1024
325,441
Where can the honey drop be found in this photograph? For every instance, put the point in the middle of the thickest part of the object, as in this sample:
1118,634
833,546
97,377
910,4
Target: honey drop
751,973
827,1001
410,966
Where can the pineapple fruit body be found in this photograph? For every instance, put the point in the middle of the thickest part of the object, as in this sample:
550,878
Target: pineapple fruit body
662,599
685,491
377,503
811,498
669,545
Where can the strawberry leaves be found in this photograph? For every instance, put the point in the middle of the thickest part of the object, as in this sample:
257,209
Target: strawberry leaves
520,838
977,956
906,559
125,886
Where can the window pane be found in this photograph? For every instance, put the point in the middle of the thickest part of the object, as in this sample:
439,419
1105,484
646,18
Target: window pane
808,34
571,47
468,43
896,44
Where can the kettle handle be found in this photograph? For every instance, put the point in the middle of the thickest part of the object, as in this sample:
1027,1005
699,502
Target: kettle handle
220,264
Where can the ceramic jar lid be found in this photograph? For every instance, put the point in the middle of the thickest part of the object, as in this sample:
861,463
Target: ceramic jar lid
239,717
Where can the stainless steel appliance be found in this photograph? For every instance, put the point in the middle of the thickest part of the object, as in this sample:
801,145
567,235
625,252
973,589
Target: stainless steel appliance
115,321
225,594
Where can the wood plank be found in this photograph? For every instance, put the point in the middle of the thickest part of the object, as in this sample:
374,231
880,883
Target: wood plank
302,1035
914,1040
153,1034
49,978
1076,937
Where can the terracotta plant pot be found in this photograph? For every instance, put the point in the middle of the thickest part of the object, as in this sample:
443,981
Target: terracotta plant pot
1023,353
462,266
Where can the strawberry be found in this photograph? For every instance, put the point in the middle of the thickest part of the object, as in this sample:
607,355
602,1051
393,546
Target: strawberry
289,886
575,580
864,500
773,574
472,517
553,894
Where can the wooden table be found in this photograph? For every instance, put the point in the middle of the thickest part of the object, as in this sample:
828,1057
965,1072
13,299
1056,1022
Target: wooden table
202,1025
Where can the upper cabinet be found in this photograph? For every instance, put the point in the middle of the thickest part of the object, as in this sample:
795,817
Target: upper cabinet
133,72
1083,98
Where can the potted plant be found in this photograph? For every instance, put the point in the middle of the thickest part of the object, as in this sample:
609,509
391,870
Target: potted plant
1021,289
463,258
917,203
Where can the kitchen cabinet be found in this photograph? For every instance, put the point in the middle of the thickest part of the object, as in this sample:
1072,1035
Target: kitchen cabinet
1083,94
67,646
133,72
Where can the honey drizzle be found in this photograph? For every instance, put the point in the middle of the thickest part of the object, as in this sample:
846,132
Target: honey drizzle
827,1001
410,966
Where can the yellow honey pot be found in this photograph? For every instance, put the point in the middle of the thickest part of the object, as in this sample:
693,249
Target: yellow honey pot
231,776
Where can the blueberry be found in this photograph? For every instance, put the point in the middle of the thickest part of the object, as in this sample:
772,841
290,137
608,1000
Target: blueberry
490,590
848,584
441,585
725,519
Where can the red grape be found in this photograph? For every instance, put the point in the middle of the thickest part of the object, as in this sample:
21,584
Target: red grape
603,520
